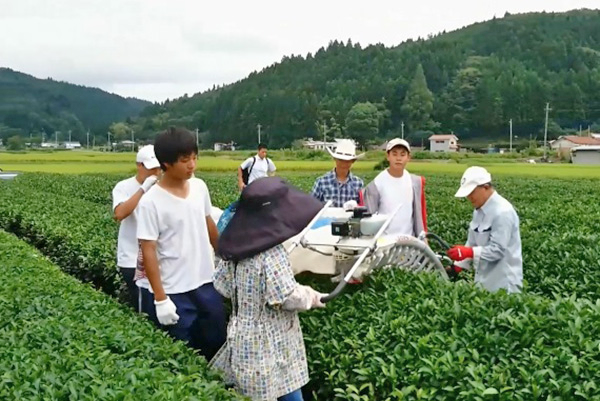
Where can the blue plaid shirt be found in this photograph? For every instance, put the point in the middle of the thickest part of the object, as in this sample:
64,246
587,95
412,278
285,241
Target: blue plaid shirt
327,187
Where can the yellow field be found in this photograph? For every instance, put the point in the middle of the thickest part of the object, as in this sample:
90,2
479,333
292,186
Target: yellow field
97,162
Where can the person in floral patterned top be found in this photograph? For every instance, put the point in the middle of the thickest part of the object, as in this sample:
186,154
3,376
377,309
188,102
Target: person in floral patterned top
264,356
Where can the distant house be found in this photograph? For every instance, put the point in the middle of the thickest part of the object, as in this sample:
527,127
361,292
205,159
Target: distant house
71,145
220,146
443,143
320,145
564,144
49,145
587,154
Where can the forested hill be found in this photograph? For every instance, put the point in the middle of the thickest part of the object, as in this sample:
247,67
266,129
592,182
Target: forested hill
32,105
470,81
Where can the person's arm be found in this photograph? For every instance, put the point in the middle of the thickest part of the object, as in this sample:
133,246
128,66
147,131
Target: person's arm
241,184
270,168
500,236
123,208
213,233
151,267
316,192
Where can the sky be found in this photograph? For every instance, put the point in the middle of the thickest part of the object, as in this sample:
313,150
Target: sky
157,50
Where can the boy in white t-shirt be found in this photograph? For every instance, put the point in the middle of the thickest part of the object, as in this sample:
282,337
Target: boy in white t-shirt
395,186
126,196
176,231
258,166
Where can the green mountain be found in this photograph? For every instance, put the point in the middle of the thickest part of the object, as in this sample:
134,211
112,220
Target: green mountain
471,81
29,105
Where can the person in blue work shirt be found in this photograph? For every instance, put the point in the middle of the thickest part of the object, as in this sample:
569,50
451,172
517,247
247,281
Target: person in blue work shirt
493,247
340,185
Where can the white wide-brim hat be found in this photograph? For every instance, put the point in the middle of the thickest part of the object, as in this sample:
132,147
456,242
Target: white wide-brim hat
345,150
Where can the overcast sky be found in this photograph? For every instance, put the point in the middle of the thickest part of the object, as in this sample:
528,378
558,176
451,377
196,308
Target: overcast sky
156,50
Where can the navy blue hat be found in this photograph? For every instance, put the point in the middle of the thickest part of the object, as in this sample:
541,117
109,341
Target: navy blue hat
269,212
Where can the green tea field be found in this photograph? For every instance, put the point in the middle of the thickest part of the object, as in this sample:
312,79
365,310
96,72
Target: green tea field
398,336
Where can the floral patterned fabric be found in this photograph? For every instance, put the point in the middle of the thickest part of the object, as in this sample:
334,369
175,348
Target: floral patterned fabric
264,356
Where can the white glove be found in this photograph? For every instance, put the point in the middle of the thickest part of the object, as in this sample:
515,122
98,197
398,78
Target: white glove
149,182
350,205
316,301
166,312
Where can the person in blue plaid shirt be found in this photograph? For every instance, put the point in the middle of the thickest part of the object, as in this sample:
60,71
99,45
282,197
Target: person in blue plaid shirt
339,184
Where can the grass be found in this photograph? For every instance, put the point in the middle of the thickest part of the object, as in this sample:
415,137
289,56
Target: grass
97,162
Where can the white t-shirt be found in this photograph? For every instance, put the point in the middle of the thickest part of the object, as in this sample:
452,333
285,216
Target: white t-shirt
261,168
178,226
392,192
127,246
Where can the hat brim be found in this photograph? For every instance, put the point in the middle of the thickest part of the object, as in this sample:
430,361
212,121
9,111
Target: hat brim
151,164
465,190
344,157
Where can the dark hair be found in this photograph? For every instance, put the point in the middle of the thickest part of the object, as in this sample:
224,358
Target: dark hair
262,146
172,144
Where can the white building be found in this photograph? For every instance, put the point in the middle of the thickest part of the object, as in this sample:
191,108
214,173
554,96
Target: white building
49,145
219,146
321,145
443,143
71,145
564,144
589,154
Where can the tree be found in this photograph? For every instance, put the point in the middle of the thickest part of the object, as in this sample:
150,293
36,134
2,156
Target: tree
418,103
120,131
362,122
15,143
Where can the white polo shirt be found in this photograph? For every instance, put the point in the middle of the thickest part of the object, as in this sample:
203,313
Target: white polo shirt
262,167
178,225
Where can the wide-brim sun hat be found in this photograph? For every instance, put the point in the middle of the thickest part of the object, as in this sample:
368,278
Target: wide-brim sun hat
345,150
269,212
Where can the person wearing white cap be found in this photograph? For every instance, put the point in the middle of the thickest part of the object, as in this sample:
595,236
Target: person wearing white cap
395,186
493,247
126,196
340,185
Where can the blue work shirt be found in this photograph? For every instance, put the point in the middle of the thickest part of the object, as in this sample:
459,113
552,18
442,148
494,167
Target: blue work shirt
496,240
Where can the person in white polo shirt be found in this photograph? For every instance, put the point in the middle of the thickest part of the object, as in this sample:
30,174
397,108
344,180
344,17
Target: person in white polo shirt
176,232
255,167
493,245
126,196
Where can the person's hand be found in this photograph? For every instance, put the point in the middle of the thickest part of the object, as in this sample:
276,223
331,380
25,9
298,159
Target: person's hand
241,186
350,205
453,271
166,312
460,253
316,301
148,182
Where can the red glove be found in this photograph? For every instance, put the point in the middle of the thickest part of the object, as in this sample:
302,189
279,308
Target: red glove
460,253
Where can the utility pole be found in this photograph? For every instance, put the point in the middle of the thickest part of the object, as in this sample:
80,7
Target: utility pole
197,143
546,129
510,122
88,139
258,126
108,140
69,135
402,125
56,137
132,141
94,141
324,135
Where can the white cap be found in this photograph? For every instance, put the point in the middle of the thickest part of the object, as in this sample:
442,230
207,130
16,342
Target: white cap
147,157
472,178
345,150
397,142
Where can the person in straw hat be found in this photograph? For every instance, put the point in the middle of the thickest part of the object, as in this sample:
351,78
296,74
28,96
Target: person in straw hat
339,184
